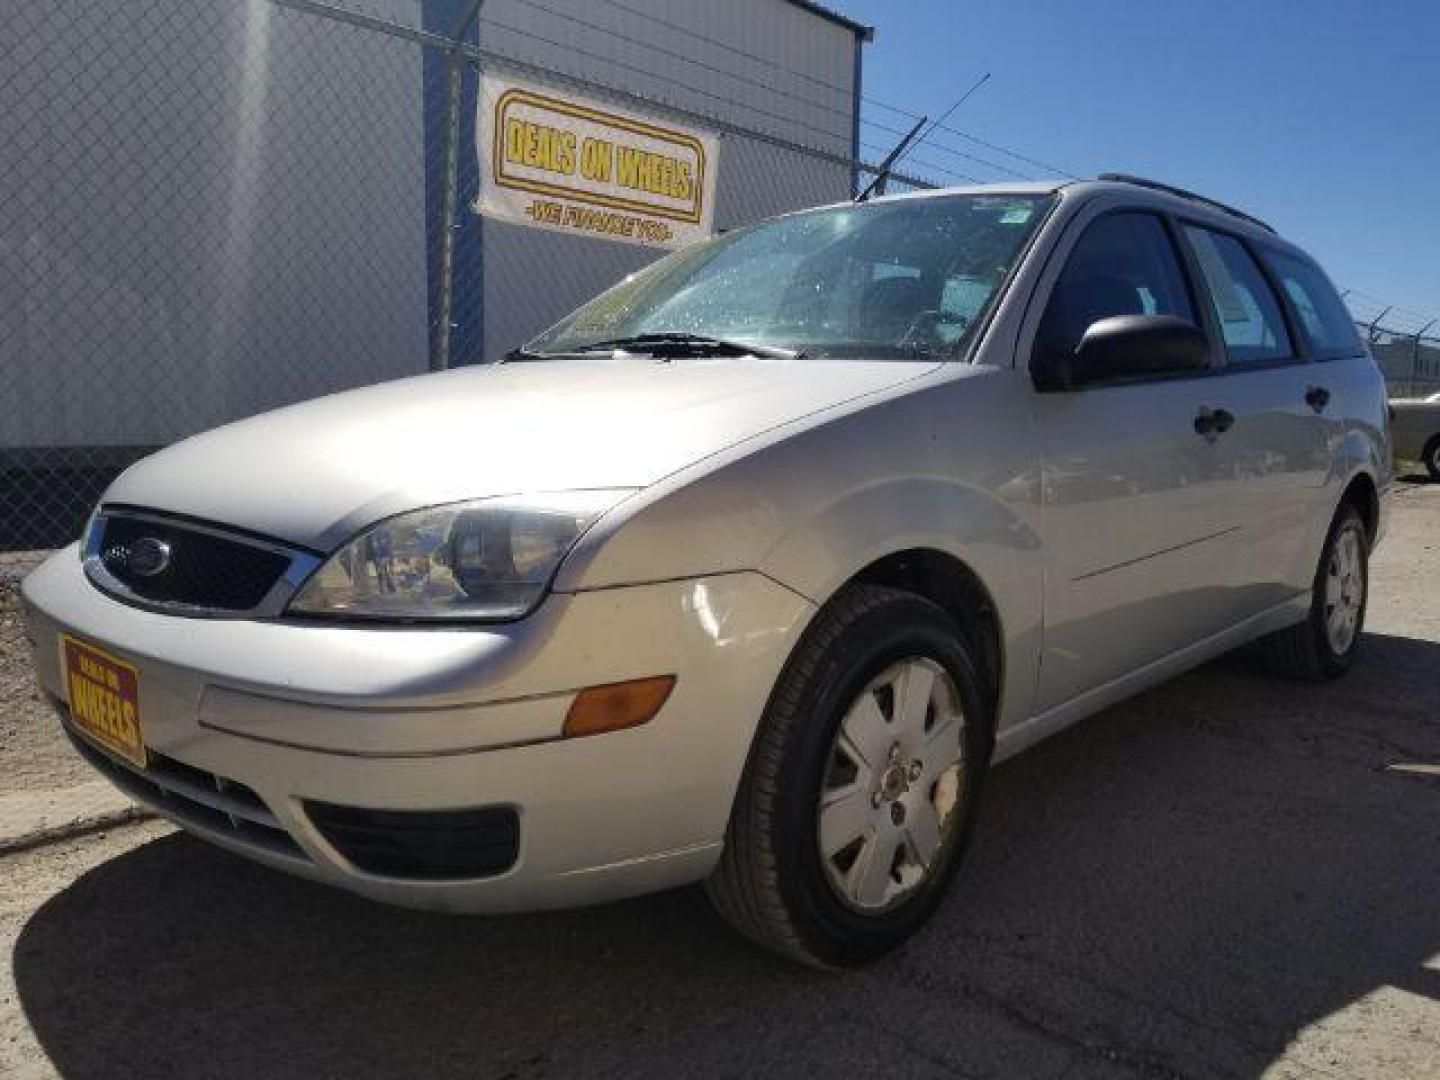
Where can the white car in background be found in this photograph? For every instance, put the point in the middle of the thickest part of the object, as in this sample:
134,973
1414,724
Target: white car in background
1415,431
745,572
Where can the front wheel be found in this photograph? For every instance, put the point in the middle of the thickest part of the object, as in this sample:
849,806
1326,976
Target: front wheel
858,798
1324,645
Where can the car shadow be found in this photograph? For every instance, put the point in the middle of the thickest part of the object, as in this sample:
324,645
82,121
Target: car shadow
1176,886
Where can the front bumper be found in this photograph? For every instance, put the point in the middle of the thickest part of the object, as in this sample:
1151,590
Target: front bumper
433,719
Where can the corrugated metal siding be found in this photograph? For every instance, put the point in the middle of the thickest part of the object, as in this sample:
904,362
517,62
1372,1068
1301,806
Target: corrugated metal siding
806,98
209,208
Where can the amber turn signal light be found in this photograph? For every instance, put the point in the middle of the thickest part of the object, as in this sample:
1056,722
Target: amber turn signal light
616,706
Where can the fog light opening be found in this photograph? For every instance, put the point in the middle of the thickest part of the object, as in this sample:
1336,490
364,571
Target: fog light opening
617,706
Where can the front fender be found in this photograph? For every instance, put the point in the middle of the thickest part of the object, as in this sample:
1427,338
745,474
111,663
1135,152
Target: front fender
817,555
979,529
946,463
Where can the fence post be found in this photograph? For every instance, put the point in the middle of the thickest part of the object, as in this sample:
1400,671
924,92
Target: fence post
1375,326
449,165
1415,356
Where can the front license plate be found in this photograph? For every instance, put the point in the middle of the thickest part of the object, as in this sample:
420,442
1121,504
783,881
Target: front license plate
104,698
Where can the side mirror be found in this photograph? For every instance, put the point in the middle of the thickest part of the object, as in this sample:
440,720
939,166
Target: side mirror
1130,346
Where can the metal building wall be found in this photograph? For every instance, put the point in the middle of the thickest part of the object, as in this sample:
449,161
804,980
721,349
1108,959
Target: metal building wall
212,207
207,207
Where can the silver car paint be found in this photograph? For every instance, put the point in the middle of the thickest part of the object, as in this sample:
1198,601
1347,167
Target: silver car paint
1039,494
446,718
1117,545
316,472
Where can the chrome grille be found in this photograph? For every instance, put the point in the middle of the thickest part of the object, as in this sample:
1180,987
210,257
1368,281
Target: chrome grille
186,567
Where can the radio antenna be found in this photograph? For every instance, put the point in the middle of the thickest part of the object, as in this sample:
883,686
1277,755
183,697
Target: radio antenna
910,141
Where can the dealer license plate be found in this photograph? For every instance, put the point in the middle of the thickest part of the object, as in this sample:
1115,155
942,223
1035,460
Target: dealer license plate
104,695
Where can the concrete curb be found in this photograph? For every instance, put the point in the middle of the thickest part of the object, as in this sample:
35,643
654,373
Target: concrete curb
31,819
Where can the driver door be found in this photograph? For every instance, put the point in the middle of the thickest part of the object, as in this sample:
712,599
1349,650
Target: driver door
1136,506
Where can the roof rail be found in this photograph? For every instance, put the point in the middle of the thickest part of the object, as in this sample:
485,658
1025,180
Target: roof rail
1156,185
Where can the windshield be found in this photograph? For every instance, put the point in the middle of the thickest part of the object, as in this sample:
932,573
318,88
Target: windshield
905,278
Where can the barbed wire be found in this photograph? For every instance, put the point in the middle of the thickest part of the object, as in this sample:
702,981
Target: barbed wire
1374,311
951,129
945,148
911,162
1388,319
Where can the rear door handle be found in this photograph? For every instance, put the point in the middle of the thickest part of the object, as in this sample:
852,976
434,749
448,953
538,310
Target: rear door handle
1317,397
1211,422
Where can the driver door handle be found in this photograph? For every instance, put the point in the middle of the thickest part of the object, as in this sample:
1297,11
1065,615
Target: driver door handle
1211,422
1317,397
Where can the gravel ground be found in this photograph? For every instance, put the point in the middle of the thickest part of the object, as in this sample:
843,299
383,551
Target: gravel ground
1226,876
34,755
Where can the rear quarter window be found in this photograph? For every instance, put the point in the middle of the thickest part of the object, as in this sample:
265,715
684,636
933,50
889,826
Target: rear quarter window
1322,314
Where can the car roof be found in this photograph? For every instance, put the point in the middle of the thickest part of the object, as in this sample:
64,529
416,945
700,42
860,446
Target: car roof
1142,191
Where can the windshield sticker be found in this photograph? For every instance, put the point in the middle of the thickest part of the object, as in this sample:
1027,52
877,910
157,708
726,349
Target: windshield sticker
1016,215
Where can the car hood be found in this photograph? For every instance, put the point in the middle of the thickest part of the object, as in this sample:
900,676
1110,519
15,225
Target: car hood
312,474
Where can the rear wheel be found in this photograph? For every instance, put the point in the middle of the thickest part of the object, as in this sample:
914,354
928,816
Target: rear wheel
858,798
1325,644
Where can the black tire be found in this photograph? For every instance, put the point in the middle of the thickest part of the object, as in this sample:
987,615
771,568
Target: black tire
1430,456
1305,651
771,884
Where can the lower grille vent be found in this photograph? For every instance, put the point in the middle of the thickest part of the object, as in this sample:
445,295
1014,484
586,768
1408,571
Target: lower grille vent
433,845
196,797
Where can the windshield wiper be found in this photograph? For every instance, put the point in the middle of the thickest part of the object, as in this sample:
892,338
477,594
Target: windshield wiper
516,356
681,344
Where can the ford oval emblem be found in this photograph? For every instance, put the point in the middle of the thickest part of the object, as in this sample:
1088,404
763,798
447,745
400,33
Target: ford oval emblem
147,557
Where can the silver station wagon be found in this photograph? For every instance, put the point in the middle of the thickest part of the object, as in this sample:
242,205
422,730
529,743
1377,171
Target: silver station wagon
745,572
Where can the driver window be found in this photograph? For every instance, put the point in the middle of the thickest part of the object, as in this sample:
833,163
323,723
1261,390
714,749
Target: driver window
1124,264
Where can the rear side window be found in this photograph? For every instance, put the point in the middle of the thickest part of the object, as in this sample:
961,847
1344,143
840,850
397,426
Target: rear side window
1320,310
1246,307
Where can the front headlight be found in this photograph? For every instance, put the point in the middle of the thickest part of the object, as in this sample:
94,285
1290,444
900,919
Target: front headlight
487,559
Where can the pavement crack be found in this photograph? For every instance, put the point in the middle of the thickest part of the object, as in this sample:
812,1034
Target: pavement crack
1030,1021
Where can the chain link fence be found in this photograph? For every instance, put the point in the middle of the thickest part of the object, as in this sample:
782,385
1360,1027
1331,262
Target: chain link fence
1409,359
1406,344
211,208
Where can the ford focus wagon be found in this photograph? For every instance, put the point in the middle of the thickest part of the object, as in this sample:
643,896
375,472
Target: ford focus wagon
743,573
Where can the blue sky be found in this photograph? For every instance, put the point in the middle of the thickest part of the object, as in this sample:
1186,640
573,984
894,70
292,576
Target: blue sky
1321,116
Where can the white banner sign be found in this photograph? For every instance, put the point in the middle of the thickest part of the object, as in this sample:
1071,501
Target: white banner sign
561,162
